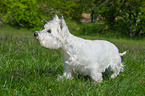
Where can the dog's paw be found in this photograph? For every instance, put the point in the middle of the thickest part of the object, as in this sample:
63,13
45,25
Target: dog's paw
59,77
63,77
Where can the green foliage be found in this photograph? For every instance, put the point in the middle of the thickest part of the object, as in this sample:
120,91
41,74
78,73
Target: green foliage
140,26
134,15
129,16
22,13
31,13
126,15
67,8
109,12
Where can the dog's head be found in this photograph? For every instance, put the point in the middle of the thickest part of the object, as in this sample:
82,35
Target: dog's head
52,36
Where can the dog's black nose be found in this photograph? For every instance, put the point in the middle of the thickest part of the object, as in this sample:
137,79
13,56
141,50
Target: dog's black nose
36,34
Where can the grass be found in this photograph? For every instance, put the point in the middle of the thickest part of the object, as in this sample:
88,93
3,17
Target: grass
28,69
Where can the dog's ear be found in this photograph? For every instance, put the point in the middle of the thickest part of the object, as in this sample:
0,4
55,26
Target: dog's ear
56,18
62,22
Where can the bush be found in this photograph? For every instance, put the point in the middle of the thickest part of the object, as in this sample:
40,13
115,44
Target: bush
68,8
30,13
22,13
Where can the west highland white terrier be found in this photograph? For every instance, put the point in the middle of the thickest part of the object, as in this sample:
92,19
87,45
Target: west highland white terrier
81,56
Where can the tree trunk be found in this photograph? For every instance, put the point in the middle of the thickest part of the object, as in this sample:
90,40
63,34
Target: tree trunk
130,23
93,16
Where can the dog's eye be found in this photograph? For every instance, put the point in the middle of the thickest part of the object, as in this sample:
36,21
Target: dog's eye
49,31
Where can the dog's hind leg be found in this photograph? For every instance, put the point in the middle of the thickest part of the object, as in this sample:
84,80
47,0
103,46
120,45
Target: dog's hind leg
116,70
116,67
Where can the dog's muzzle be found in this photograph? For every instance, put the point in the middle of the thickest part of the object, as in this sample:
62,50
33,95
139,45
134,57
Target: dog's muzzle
36,34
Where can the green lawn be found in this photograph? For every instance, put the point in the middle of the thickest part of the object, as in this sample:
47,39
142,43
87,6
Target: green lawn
26,68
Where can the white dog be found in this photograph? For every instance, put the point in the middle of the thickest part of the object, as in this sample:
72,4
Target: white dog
86,57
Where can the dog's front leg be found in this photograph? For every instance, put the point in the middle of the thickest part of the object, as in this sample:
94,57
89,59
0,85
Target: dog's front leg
67,71
96,76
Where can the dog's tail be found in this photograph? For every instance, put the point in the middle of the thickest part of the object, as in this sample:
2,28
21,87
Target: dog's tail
121,54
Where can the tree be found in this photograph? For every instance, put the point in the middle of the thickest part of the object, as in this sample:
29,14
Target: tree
21,13
134,14
124,13
68,8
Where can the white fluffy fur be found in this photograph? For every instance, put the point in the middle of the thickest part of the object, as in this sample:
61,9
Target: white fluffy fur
86,57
